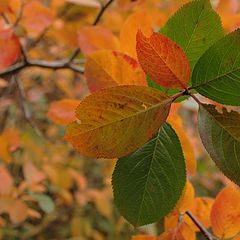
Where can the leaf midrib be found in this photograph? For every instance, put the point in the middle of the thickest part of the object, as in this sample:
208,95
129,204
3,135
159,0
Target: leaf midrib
215,79
221,125
166,102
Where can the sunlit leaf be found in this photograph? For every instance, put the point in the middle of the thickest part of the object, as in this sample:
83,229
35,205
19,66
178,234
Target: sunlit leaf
163,60
138,20
124,116
190,28
110,68
225,214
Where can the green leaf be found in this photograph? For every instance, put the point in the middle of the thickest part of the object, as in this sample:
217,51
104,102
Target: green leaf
45,202
148,183
220,134
195,27
217,73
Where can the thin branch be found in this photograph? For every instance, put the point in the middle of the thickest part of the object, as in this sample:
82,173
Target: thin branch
103,9
26,111
195,98
5,18
19,16
203,230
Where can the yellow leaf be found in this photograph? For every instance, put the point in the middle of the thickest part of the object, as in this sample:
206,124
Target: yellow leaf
110,68
137,21
115,121
225,214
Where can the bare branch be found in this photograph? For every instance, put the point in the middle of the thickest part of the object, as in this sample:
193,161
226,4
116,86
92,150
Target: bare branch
103,9
203,230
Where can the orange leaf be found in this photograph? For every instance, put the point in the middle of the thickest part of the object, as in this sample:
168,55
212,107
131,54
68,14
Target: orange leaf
63,111
185,203
95,38
139,20
9,48
32,174
144,237
225,214
36,17
164,61
4,5
18,211
176,121
128,4
182,232
202,209
110,68
6,181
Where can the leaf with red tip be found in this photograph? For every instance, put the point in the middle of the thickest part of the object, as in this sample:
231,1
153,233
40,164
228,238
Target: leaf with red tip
164,61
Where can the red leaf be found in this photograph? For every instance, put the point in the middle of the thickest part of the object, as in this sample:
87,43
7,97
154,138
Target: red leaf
164,61
9,48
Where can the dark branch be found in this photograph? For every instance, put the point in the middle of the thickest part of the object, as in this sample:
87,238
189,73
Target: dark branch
103,9
203,230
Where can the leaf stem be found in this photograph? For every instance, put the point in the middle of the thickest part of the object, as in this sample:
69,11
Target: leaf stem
195,98
203,230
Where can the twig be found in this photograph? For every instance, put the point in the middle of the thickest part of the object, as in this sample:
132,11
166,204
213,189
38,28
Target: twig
203,230
19,16
103,9
26,111
5,18
195,98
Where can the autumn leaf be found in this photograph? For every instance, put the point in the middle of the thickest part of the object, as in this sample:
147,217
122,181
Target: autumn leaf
36,17
4,5
93,38
128,4
164,61
176,121
181,232
9,48
225,214
143,237
110,68
63,111
6,181
125,116
139,20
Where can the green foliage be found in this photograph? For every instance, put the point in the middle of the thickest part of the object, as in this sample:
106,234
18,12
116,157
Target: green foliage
148,183
217,73
195,27
220,134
